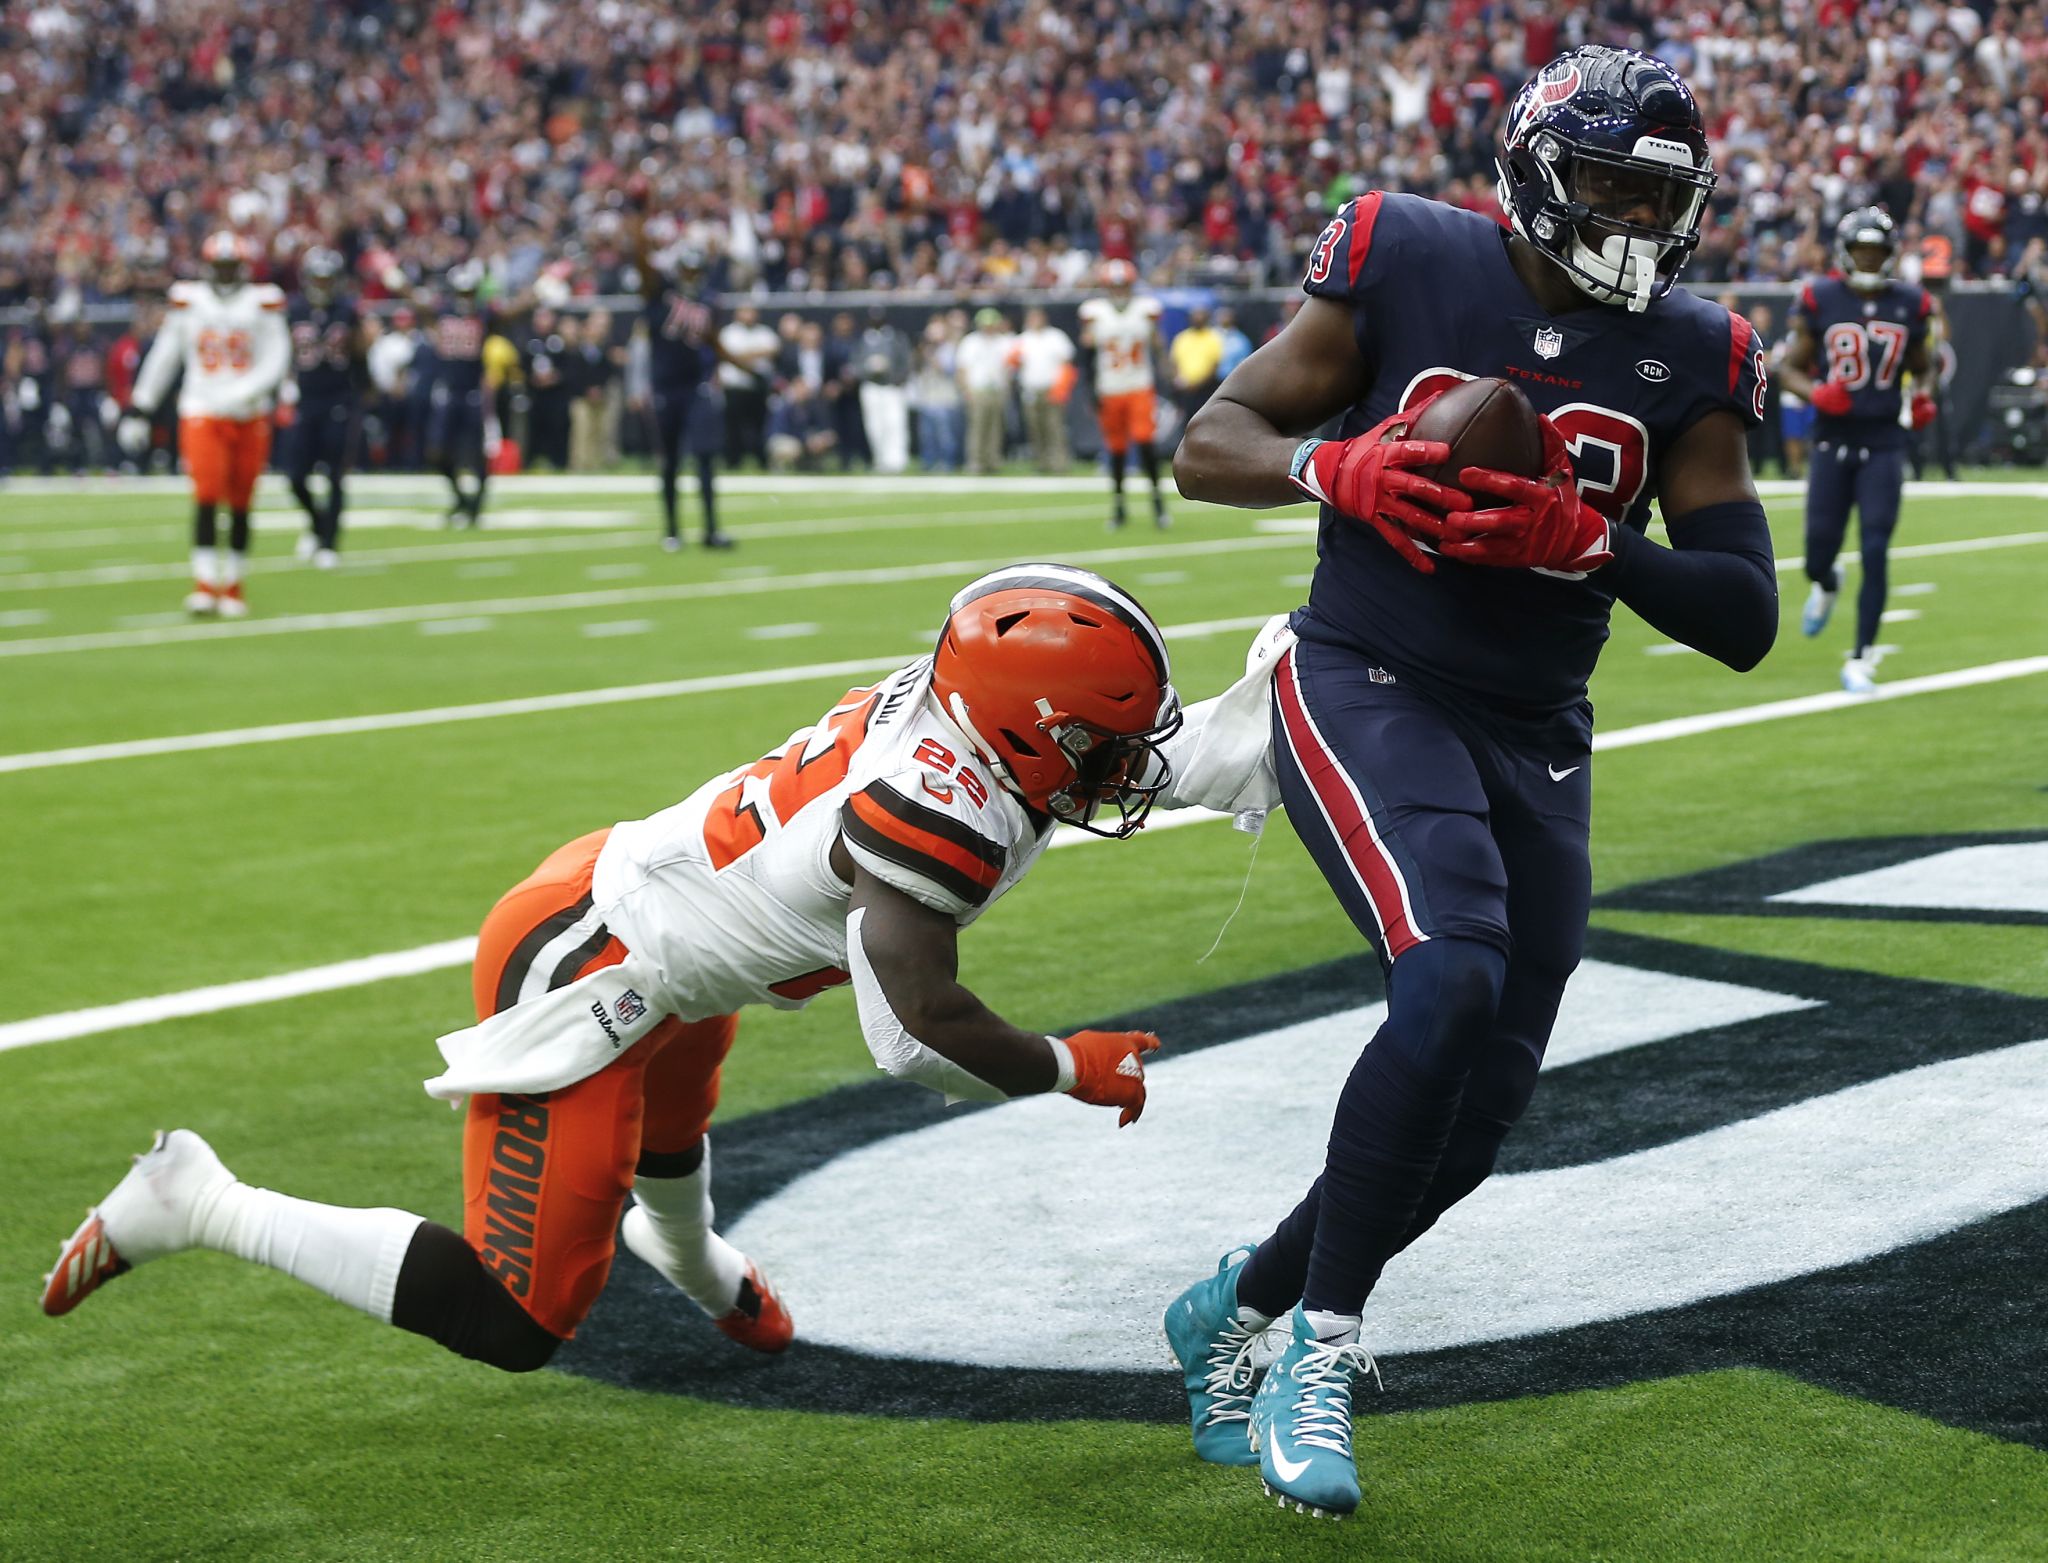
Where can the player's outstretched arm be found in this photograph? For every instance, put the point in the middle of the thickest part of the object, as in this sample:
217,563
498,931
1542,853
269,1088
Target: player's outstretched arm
1716,587
1239,449
1795,368
922,1025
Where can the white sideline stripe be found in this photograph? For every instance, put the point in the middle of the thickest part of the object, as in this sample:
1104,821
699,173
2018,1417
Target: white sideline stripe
1811,705
374,618
454,952
525,705
235,995
506,548
378,485
357,973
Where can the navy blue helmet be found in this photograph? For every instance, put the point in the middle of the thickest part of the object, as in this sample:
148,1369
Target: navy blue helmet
1868,227
1604,168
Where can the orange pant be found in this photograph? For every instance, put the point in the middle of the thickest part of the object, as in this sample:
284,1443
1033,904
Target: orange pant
545,1177
225,457
1127,418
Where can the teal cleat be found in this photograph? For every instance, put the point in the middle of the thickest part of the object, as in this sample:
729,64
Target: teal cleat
1214,1348
1820,603
1301,1423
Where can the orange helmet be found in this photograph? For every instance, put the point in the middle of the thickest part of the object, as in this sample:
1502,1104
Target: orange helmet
226,254
1060,681
1118,274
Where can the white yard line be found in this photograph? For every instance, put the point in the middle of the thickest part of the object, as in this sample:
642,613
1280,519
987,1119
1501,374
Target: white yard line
456,952
515,547
570,700
413,613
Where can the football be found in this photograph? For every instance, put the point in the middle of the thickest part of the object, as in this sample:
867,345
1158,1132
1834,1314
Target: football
1487,423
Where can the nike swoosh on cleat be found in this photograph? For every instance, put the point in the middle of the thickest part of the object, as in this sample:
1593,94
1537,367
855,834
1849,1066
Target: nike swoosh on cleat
1558,775
1288,1470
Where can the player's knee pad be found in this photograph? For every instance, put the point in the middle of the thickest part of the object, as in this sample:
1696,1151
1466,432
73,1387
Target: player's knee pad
1442,1000
446,1294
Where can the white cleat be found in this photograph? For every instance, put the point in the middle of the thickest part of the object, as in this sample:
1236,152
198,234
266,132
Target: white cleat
326,559
1820,605
1859,675
155,1210
306,547
232,604
202,602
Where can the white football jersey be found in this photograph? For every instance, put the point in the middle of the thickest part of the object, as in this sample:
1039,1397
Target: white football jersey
1123,343
730,896
234,349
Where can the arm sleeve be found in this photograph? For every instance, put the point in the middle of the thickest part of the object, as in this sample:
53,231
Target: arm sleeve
1715,589
921,841
166,357
896,1051
1222,757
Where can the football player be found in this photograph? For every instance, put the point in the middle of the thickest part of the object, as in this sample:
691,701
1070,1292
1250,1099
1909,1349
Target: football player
227,337
606,984
456,436
1121,333
328,372
1431,728
681,323
1874,331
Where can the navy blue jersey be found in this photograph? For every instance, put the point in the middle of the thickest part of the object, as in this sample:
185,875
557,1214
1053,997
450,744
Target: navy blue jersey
324,357
1435,300
1863,340
681,338
457,339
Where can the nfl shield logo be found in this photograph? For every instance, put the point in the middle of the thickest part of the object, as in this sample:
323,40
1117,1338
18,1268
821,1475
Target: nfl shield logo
1549,342
630,1007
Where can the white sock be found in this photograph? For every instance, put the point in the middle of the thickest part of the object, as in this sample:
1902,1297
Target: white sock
203,566
703,1265
230,567
1337,1329
352,1255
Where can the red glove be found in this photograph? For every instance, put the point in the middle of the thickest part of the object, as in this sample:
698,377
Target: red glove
1544,524
1921,410
1367,477
1109,1069
1832,398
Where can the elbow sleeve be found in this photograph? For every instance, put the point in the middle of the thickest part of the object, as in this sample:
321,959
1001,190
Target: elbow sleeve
896,1051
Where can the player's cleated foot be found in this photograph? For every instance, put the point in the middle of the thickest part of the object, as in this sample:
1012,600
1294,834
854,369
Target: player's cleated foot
326,559
153,1211
1859,676
305,548
1820,603
1160,518
233,605
758,1320
718,540
1214,1342
1301,1422
671,544
1116,519
203,601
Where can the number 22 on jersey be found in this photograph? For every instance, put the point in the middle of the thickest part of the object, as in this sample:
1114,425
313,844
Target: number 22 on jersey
775,787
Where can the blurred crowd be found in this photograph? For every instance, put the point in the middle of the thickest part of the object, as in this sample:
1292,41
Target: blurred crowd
814,145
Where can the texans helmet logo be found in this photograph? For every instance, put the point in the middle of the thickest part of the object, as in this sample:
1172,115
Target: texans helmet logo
1559,87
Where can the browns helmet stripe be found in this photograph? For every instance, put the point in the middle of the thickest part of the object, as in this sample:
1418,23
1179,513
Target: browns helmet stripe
1085,584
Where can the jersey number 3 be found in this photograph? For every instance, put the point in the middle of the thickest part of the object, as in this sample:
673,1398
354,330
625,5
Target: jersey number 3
1610,450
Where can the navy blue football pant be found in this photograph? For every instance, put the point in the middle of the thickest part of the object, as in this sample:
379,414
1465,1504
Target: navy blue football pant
1870,480
1463,860
321,438
687,423
455,443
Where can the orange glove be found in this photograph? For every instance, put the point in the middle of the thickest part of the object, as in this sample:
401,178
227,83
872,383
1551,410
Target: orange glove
1109,1069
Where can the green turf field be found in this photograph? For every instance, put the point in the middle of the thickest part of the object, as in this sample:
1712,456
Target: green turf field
202,1409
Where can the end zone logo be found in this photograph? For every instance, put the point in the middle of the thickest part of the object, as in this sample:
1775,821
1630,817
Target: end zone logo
1732,1161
